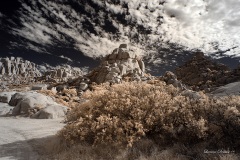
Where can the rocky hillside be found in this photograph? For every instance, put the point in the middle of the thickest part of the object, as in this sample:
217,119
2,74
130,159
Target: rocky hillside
202,73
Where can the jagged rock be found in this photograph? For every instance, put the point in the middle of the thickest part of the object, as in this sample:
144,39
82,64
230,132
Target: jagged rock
17,70
121,63
62,74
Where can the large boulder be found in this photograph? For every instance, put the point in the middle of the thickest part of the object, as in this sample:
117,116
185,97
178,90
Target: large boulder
51,112
30,103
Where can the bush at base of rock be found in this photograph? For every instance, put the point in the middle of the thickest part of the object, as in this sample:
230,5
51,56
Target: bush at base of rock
124,113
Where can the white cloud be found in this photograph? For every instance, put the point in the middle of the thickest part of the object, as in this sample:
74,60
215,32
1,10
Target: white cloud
198,23
64,57
117,9
195,24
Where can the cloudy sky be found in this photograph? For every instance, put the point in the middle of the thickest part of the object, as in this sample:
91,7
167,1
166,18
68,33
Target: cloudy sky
165,32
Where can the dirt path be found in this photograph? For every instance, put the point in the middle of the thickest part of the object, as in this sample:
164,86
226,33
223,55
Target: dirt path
16,135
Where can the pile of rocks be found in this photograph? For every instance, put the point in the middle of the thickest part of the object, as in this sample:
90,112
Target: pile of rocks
202,74
121,64
62,74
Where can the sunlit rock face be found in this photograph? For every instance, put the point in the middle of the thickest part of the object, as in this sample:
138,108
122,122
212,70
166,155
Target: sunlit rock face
121,63
17,66
62,73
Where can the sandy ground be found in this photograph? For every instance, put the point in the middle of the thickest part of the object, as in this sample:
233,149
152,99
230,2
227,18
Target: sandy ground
19,136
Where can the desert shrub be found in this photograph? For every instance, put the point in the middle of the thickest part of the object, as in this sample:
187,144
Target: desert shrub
125,113
67,97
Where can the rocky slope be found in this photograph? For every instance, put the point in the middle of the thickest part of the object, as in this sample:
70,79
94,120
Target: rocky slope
203,74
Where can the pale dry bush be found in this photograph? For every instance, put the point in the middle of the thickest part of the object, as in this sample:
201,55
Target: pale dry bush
47,92
125,113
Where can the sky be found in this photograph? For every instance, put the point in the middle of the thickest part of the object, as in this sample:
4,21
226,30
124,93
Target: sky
164,32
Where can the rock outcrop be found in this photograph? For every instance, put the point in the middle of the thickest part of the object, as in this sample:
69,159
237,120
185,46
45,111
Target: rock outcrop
62,74
120,64
18,66
16,71
202,74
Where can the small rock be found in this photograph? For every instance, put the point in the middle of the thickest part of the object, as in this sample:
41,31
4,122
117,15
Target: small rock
83,86
51,112
39,87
